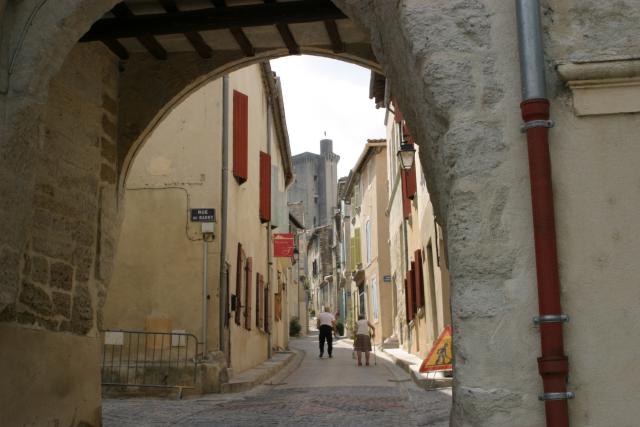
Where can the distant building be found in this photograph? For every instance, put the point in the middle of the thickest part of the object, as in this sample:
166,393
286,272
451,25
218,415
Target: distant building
315,184
369,263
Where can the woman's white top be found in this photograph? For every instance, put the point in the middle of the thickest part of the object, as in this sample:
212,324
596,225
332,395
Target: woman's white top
363,327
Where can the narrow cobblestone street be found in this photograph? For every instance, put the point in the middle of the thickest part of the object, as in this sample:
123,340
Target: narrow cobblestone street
312,391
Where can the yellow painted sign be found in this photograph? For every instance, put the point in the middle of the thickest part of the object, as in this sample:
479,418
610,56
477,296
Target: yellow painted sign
440,357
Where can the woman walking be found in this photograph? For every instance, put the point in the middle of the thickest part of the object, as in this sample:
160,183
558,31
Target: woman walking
363,340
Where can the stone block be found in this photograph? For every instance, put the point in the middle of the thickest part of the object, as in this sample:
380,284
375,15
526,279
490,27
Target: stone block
83,260
61,276
9,277
36,299
82,311
62,304
109,128
108,150
84,233
107,174
110,105
39,269
59,247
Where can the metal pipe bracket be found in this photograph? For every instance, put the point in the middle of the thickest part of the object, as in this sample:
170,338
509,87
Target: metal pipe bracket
557,396
537,124
551,318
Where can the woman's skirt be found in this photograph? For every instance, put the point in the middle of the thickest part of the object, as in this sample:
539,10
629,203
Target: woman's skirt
363,343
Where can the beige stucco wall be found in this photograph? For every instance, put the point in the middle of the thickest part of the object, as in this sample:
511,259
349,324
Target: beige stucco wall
160,258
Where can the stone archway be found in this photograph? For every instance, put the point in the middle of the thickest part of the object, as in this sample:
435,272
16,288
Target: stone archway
442,63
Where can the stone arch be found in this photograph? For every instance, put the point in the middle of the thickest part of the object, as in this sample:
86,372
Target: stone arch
447,86
142,114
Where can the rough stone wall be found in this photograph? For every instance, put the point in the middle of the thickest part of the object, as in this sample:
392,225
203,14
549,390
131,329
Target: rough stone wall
67,259
461,100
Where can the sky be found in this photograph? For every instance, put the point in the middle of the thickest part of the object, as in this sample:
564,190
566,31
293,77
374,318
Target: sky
327,95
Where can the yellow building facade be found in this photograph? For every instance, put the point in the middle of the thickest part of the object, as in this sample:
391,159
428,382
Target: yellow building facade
168,267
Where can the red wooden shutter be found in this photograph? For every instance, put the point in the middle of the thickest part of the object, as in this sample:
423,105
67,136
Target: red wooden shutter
265,187
239,275
419,279
248,294
240,136
397,115
408,295
227,285
259,296
406,201
267,323
412,282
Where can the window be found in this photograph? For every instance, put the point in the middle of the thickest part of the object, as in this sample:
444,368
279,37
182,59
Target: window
367,231
240,136
265,187
356,257
361,301
374,296
239,282
248,293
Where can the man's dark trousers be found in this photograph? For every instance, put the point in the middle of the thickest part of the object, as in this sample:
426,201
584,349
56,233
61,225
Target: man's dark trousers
326,332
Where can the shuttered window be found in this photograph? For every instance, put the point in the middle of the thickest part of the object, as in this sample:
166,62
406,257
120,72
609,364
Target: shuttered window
259,301
240,136
277,310
239,277
406,201
419,279
410,289
248,293
357,253
265,187
397,116
267,324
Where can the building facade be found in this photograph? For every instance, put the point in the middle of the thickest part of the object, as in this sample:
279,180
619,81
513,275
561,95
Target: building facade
158,283
419,274
368,241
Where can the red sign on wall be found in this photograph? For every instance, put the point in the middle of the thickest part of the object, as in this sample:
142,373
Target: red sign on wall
283,245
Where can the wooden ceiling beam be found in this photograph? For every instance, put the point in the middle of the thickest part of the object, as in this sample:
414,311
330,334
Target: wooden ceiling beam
237,33
287,38
243,41
337,45
194,37
254,15
286,35
122,11
117,48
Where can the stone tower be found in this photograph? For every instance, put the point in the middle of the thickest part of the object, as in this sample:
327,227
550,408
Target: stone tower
315,184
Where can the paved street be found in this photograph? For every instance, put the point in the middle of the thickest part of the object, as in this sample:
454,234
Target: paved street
313,391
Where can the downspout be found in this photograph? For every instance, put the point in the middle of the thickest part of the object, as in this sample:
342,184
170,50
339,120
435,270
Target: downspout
553,365
269,259
223,213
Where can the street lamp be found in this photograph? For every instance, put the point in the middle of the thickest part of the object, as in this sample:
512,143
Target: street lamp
406,155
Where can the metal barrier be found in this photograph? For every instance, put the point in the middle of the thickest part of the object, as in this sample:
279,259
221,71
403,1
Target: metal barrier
149,359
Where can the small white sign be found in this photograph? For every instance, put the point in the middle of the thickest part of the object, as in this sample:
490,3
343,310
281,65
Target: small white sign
114,338
178,340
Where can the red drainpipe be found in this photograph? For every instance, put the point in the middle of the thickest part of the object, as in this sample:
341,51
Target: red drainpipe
553,365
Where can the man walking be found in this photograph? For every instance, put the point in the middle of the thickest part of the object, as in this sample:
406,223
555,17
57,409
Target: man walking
326,324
